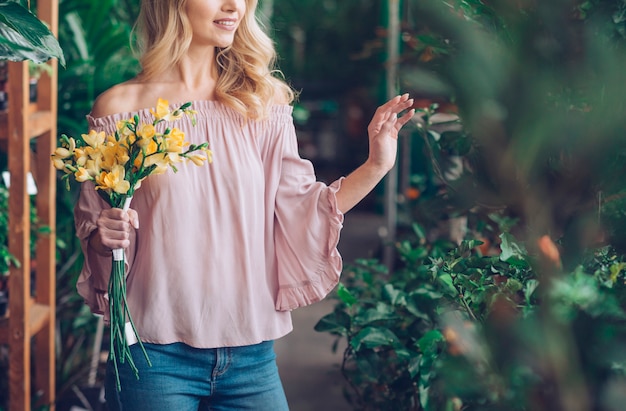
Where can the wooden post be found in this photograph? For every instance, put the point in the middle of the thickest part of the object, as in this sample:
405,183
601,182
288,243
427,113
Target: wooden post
31,319
46,212
19,240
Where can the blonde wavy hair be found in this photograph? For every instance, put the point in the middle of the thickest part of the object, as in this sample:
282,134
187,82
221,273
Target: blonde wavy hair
248,81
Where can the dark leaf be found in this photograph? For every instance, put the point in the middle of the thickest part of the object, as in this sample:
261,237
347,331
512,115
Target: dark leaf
372,337
337,322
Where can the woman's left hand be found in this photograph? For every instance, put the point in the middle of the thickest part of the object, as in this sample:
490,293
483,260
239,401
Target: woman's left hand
383,131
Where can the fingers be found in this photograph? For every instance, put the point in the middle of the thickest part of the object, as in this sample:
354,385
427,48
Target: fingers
405,118
404,103
388,125
394,107
134,218
390,109
397,104
115,225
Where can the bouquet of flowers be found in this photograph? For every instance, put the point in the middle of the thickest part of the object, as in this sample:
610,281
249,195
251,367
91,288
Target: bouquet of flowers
117,164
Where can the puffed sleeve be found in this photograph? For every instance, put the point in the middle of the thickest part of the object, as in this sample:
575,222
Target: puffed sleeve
93,280
306,232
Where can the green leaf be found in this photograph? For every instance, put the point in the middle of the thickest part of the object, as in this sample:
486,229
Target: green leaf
414,366
24,37
446,281
345,295
429,343
382,312
396,297
337,322
372,337
512,252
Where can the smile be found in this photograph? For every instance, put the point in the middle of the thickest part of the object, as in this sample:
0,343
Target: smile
228,23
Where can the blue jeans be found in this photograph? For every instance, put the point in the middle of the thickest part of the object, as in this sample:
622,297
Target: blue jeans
183,378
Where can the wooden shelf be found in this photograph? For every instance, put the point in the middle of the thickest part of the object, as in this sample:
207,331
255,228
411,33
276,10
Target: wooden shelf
28,330
39,317
39,123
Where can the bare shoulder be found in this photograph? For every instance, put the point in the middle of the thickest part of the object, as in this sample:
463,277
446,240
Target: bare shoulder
126,97
283,94
281,100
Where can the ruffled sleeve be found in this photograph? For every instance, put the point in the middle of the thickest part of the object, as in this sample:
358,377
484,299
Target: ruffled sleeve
306,233
93,280
92,283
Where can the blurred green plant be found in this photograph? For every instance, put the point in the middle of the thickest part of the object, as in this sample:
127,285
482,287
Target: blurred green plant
320,51
526,311
538,90
452,329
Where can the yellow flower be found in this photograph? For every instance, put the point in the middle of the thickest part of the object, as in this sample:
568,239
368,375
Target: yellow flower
94,138
175,141
137,162
58,163
82,175
80,156
175,115
114,180
62,152
72,144
161,161
147,131
163,112
123,129
148,148
173,158
146,142
113,153
93,166
162,109
197,159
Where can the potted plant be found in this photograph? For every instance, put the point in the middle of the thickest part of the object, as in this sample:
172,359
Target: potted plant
35,70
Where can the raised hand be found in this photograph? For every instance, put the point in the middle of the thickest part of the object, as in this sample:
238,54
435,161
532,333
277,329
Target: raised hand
383,140
383,131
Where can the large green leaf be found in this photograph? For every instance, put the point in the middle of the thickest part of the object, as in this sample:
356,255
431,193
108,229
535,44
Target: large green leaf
24,37
372,337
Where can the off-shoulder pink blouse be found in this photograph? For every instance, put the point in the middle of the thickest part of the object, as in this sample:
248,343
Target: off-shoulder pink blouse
223,251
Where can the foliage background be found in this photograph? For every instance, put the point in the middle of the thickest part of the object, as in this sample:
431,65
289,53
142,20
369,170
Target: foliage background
525,311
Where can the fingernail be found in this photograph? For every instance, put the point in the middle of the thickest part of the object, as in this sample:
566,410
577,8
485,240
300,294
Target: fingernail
136,223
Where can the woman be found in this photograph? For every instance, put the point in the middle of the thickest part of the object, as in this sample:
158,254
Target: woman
225,251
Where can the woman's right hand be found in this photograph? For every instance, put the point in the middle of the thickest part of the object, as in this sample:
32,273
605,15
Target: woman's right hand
114,227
